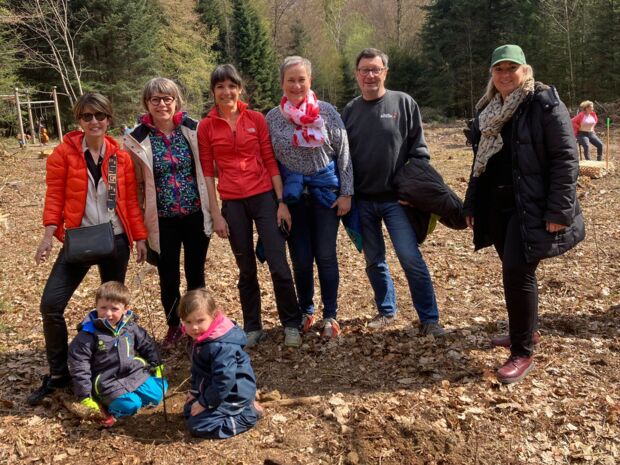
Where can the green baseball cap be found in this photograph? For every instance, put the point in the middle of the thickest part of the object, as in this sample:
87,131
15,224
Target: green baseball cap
508,53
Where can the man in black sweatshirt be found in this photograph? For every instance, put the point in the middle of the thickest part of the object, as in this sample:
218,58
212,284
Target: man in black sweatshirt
385,130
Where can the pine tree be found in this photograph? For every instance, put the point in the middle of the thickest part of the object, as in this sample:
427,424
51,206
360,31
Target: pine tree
253,55
299,40
122,47
349,86
215,15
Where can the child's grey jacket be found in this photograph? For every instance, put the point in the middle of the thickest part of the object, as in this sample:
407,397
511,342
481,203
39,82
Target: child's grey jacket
107,362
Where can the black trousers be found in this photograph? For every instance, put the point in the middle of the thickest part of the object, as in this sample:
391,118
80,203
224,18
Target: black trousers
240,215
64,279
519,276
187,231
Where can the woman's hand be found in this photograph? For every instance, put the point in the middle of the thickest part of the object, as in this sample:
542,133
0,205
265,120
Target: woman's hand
45,246
197,409
220,226
343,203
190,397
140,251
284,215
554,227
43,251
470,222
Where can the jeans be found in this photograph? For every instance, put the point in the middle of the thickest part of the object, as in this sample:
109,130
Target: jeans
187,231
584,139
240,214
313,238
403,238
519,276
64,279
151,392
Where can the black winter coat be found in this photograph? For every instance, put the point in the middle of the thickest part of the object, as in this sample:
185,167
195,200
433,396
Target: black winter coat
545,165
107,362
418,183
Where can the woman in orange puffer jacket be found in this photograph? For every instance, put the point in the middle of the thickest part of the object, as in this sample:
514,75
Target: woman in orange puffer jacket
77,189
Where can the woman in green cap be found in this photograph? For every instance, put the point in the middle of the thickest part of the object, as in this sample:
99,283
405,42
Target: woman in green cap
521,195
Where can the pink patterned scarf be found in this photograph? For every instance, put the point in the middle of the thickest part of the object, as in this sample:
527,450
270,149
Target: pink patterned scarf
310,127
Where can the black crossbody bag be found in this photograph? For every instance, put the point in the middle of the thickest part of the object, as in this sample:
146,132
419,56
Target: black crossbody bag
89,245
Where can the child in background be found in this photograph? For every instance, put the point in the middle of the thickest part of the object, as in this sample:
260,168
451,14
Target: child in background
221,401
112,357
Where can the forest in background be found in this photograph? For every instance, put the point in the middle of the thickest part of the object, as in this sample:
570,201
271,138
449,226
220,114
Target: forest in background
439,50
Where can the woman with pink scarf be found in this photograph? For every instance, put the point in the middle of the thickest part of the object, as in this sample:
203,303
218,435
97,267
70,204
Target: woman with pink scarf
310,143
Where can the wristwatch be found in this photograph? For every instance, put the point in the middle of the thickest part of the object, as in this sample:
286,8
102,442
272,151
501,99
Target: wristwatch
280,200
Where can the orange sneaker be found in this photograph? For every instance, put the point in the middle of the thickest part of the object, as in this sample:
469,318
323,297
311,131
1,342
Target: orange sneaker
307,322
331,328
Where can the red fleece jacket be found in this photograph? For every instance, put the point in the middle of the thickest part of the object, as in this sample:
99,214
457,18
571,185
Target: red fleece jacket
244,157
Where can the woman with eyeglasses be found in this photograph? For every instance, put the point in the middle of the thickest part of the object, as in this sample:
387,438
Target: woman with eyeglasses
172,193
235,140
77,193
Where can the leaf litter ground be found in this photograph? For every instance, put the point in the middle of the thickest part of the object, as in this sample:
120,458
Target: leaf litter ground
372,397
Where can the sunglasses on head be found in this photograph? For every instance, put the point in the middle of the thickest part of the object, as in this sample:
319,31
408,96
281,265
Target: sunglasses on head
99,116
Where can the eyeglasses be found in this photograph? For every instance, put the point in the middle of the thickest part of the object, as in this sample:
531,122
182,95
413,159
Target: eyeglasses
99,116
166,99
367,71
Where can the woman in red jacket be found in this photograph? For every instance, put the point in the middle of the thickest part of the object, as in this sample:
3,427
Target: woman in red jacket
236,141
77,189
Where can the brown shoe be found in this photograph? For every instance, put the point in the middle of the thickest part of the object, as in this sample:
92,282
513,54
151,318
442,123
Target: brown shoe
515,369
173,337
504,340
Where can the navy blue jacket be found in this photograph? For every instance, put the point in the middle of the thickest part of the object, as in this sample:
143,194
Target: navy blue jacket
222,376
107,362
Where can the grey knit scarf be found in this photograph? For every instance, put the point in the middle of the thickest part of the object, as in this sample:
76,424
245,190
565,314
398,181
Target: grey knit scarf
495,114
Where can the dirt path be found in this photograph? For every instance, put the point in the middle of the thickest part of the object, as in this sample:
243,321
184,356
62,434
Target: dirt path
386,397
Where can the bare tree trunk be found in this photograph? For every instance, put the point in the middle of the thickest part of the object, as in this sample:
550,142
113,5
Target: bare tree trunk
49,22
399,20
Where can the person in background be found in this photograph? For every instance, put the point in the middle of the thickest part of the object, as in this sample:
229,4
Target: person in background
77,189
310,142
385,130
173,194
583,126
235,140
521,196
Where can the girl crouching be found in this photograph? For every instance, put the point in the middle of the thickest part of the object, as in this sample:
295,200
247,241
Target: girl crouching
221,401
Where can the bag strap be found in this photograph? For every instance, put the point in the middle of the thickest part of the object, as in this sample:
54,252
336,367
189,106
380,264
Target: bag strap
111,202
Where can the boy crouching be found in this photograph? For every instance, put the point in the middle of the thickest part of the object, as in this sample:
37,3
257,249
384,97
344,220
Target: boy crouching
112,357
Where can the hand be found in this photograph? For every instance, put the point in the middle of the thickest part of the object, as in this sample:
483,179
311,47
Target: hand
343,203
91,404
220,226
404,202
140,251
554,227
158,371
190,397
44,250
197,409
470,222
284,215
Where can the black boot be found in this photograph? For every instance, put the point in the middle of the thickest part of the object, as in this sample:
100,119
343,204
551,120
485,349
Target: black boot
48,386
